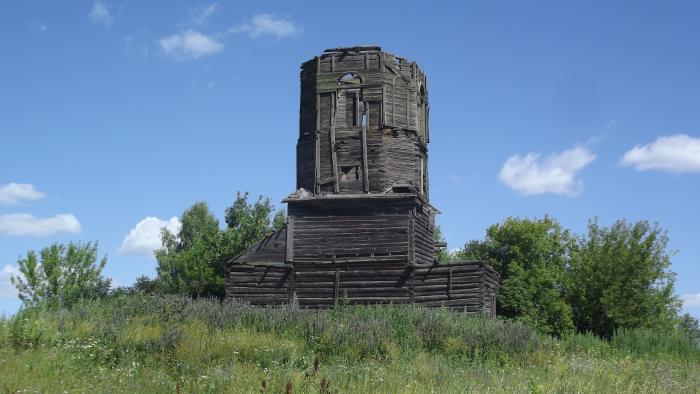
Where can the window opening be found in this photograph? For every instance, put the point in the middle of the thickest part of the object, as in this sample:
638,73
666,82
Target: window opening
349,173
350,79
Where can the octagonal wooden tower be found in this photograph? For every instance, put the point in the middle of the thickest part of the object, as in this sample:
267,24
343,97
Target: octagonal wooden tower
360,224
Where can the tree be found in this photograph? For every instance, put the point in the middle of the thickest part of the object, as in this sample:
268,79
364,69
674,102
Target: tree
443,256
248,223
61,275
620,278
190,261
193,261
690,327
531,258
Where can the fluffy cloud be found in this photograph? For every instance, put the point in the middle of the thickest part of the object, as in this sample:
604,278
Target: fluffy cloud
100,14
26,224
190,44
676,153
266,24
691,300
556,173
145,237
14,193
7,289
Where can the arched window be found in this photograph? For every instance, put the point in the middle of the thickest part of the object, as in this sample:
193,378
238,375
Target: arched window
350,79
349,100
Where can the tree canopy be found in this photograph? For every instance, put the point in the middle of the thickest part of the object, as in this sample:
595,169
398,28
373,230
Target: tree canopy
61,275
531,258
193,261
605,280
620,277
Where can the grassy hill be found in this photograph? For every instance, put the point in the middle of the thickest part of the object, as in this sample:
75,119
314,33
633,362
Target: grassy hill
171,344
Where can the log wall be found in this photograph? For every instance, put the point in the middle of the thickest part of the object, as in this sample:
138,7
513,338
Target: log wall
362,229
468,287
259,284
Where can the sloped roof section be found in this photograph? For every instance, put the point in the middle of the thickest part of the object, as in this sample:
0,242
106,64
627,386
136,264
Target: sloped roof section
271,249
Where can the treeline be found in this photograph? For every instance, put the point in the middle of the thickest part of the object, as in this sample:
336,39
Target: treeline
560,282
557,282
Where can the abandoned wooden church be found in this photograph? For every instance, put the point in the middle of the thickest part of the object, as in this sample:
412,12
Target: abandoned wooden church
360,224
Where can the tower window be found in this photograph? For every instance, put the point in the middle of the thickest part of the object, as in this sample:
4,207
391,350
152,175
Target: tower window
350,79
349,173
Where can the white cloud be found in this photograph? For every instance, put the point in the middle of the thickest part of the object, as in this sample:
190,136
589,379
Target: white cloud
26,224
199,15
691,300
145,237
13,193
676,153
556,173
7,289
190,44
100,14
267,24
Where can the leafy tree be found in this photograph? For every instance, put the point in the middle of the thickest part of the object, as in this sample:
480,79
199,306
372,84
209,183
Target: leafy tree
248,223
61,275
620,278
531,258
145,285
193,261
690,327
190,261
443,256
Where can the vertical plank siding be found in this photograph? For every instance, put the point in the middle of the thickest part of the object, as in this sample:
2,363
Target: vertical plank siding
360,225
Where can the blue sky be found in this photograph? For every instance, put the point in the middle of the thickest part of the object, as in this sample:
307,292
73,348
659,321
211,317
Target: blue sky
115,116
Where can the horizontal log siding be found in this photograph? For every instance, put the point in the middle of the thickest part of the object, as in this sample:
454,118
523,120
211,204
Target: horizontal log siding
259,285
424,241
329,237
349,62
401,156
456,286
322,285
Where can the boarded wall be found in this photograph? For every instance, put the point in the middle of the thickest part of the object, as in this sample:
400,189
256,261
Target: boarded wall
468,287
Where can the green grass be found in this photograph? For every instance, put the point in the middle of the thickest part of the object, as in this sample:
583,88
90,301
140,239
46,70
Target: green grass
170,344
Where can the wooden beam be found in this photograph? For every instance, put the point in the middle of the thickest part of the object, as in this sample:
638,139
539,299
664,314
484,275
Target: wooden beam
393,102
408,106
365,170
334,157
289,253
317,165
